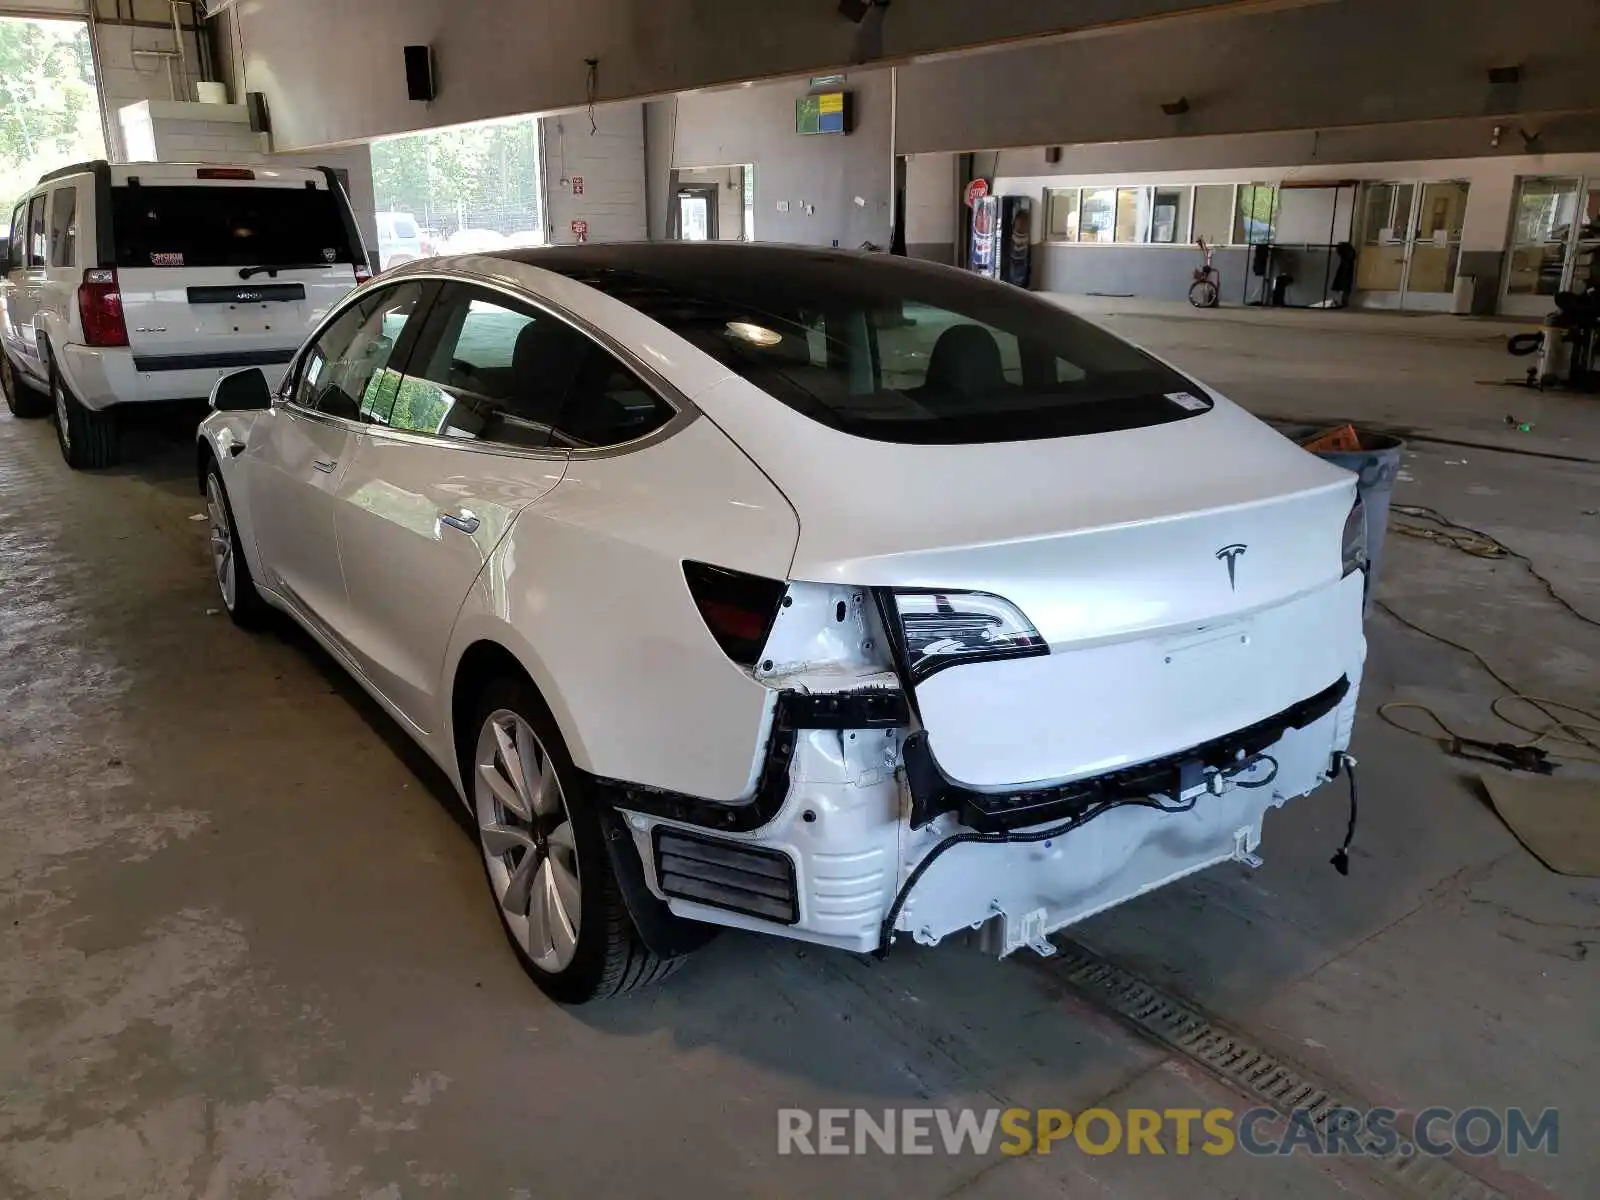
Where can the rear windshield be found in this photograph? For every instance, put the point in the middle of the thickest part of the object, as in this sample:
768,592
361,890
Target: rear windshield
902,353
225,226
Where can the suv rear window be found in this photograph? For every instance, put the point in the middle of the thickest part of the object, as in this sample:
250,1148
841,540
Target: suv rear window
224,226
899,352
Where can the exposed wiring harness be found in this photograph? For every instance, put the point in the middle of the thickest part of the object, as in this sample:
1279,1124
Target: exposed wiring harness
1060,829
1559,735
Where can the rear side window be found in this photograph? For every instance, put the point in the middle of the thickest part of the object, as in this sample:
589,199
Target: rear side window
405,227
17,238
228,226
63,227
38,235
491,370
901,353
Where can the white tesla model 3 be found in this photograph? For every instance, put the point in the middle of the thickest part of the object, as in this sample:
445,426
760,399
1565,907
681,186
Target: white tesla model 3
824,595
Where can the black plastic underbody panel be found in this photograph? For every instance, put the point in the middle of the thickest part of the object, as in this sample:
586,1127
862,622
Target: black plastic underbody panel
998,812
870,708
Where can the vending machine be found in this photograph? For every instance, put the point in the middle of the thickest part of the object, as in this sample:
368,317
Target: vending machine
985,257
1002,238
1015,252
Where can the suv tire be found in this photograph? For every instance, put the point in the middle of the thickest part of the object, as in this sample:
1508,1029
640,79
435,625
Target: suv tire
23,399
604,956
88,438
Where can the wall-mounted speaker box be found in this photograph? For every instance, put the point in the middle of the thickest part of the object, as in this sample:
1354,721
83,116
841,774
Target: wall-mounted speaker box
419,73
1052,155
260,118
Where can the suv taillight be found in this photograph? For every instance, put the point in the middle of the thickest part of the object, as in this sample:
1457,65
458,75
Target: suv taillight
739,609
363,273
100,307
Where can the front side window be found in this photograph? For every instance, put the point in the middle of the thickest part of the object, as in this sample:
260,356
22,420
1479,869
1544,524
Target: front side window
63,227
347,372
215,225
38,232
901,353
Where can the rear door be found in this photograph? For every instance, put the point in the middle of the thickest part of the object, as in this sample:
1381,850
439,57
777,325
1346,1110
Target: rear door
223,271
439,476
11,291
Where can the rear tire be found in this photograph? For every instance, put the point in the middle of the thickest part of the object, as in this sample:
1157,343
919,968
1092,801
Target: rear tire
88,438
544,853
23,399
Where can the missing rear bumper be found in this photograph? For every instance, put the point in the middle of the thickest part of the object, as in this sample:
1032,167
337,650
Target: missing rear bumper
933,794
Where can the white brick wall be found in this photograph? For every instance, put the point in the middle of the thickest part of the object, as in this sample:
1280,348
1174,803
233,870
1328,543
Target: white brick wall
162,131
610,162
126,78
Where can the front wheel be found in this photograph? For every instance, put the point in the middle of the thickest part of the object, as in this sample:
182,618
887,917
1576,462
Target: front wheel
238,588
545,856
88,438
1203,293
23,399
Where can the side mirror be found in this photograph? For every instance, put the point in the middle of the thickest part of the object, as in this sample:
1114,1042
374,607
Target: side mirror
243,391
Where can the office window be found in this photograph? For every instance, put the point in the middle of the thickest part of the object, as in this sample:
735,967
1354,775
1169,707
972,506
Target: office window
1098,215
1169,216
1213,213
1255,213
1062,207
1133,214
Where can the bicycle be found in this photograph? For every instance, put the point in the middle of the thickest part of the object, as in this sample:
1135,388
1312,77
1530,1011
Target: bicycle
1205,291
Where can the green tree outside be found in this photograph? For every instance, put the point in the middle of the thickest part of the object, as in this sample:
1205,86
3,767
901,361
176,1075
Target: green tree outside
49,112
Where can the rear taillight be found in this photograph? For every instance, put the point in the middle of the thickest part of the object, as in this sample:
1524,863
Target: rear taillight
363,273
946,629
738,609
100,309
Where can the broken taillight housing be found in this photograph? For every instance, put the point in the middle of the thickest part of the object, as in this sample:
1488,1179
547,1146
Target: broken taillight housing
947,629
1354,550
738,609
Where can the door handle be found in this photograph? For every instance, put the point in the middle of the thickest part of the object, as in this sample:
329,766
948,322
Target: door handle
467,522
326,466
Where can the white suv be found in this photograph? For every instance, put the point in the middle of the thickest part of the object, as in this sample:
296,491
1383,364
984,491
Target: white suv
150,281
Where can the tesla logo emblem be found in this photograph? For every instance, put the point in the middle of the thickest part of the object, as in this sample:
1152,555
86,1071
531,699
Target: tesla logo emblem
1231,555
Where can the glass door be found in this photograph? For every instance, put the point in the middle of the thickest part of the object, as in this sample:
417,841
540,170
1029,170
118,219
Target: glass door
1410,244
1382,253
1544,234
1586,258
1435,245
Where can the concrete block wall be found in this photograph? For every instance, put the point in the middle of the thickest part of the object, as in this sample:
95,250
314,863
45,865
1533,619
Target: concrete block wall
161,131
127,78
932,207
610,161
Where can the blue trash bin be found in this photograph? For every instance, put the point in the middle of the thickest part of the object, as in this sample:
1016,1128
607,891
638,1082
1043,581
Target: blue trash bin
1376,466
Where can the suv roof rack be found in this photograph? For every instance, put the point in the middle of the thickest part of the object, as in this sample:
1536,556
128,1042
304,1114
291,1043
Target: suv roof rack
82,168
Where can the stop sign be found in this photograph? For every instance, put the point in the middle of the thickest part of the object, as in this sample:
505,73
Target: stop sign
977,190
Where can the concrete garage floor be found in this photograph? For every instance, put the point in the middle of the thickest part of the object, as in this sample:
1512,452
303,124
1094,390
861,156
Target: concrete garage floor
246,951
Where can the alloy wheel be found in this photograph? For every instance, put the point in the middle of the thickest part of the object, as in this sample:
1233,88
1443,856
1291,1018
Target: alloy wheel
222,548
527,838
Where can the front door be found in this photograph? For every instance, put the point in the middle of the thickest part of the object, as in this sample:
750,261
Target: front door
1410,244
695,213
1555,239
30,273
300,454
439,477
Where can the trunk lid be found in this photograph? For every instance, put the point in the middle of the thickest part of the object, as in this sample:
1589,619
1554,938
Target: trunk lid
228,263
1186,577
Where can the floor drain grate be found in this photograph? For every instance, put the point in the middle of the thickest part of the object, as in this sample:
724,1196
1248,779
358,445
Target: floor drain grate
1254,1070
